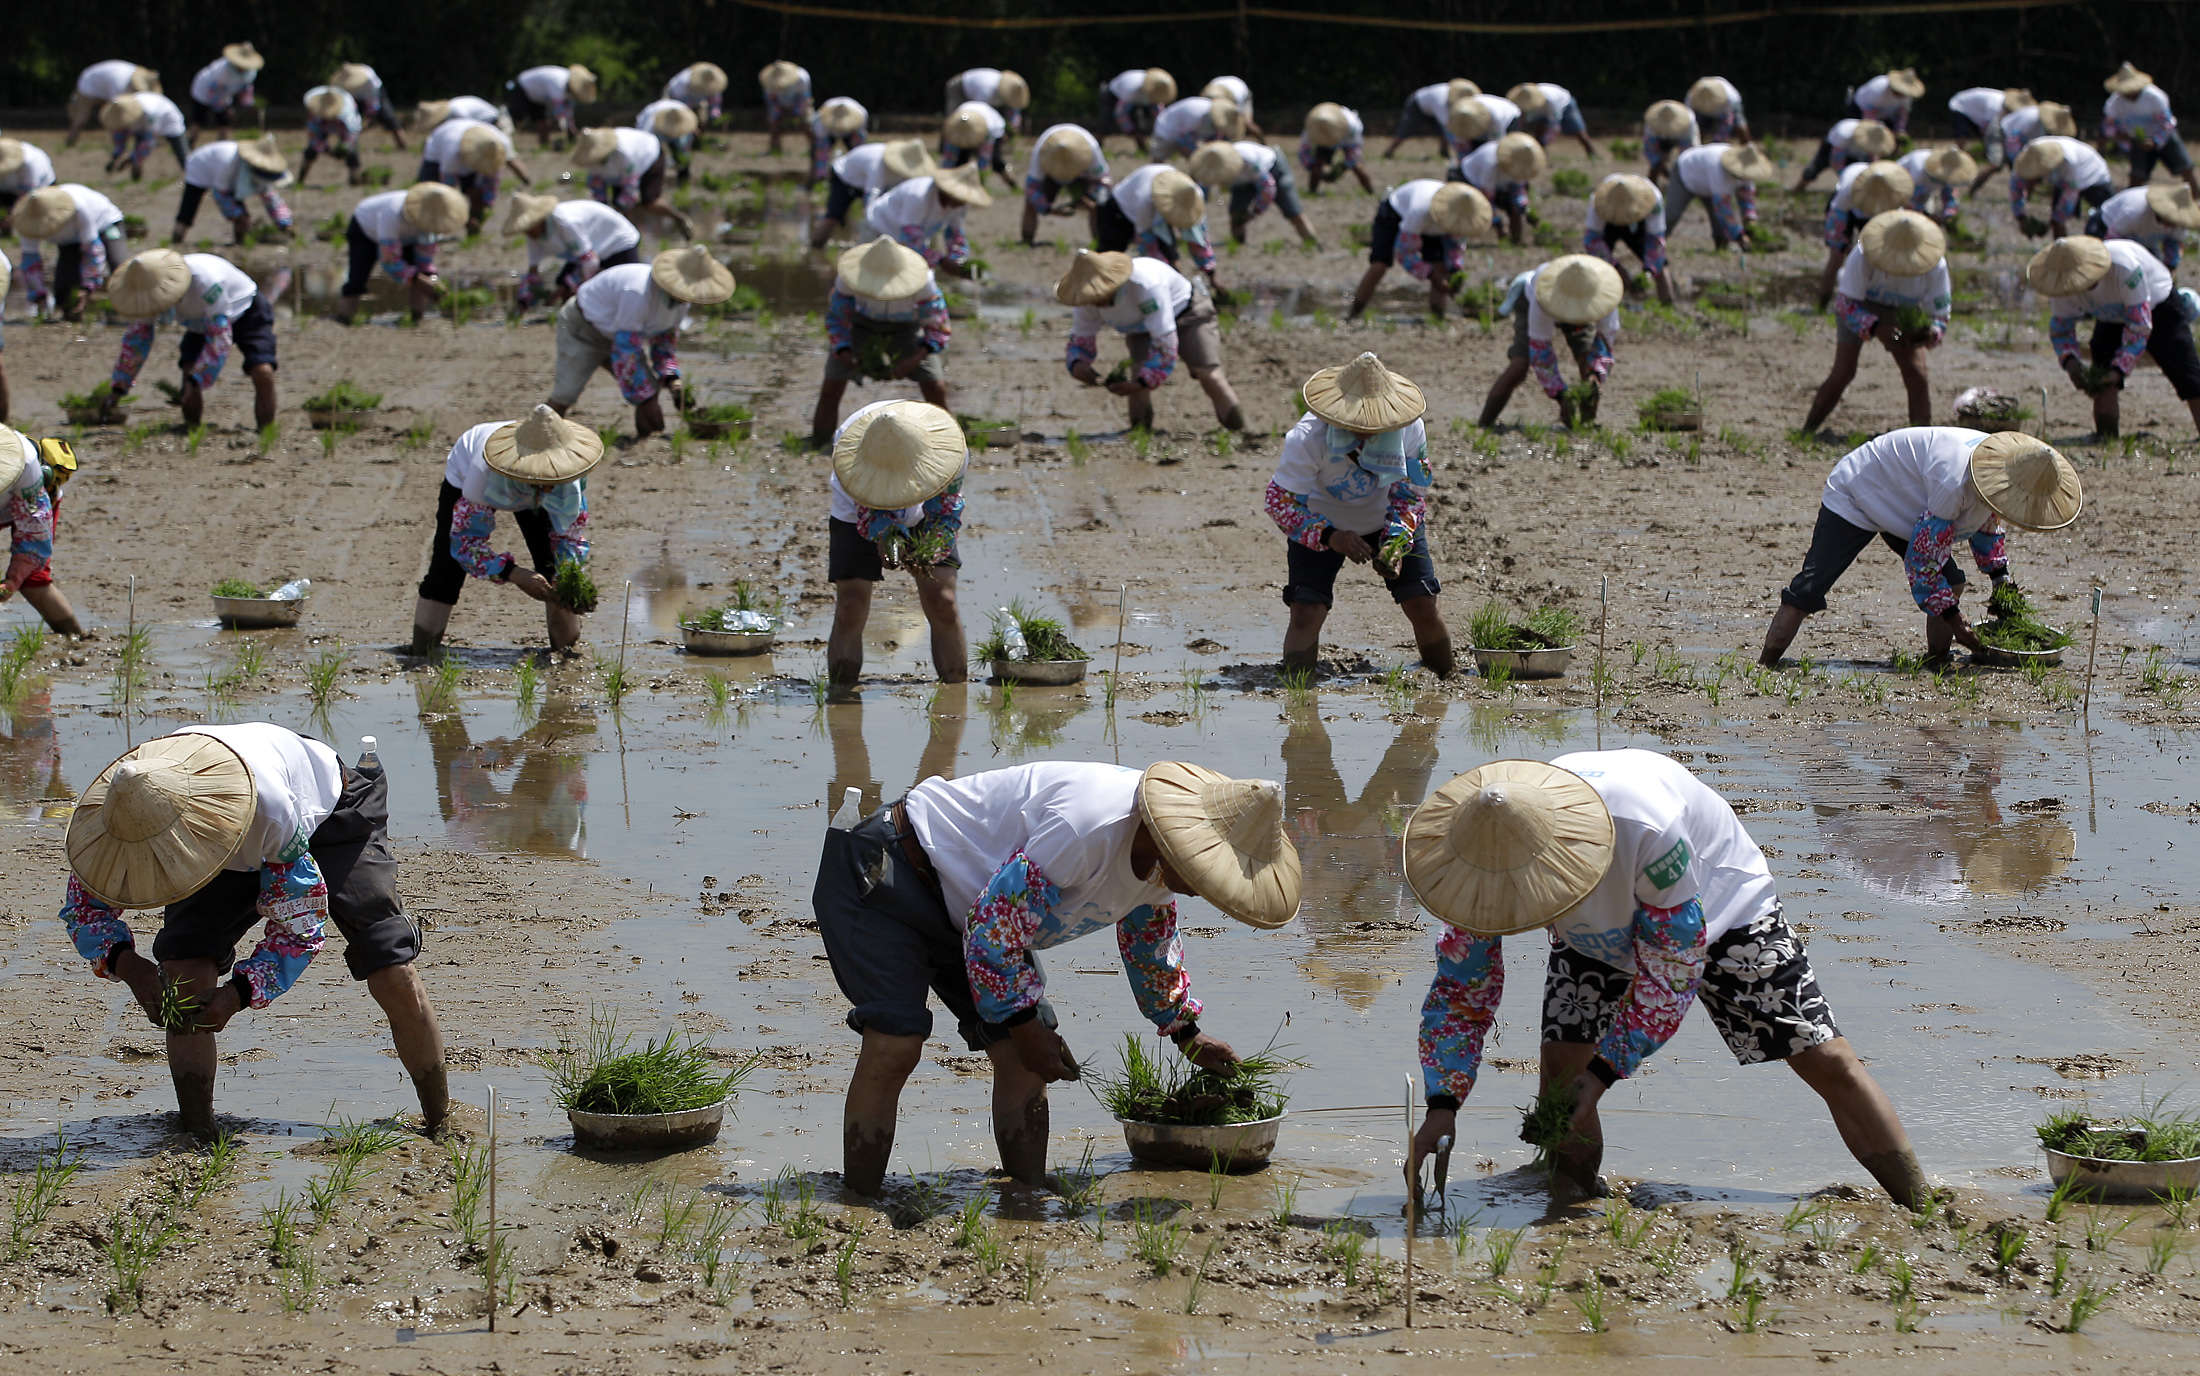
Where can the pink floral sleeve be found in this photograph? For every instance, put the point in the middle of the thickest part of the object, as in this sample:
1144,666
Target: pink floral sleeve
1669,961
1295,518
1153,958
1003,925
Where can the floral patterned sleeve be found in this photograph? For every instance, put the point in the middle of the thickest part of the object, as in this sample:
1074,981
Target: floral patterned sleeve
915,237
840,321
1409,257
137,346
1653,253
996,946
1202,248
1543,360
957,243
1669,961
932,321
1856,317
1083,348
294,903
279,212
2062,333
532,288
1459,1011
1123,123
34,276
1160,360
1601,357
1264,195
2138,322
471,527
214,353
1295,518
821,148
1307,159
31,514
1990,550
1404,511
1726,216
569,544
94,928
1153,958
2020,191
1930,546
630,365
392,253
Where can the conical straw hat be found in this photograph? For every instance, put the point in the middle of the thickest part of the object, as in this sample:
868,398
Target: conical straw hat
884,270
527,212
43,212
2172,204
674,122
123,112
243,56
1226,118
1577,289
962,185
2026,482
1159,88
543,448
1880,187
1669,119
1063,156
433,208
1225,838
903,159
966,127
2068,266
2055,118
144,79
580,83
707,78
1459,211
1458,89
481,151
1216,164
149,284
7,274
1326,125
899,454
594,145
161,821
1469,120
326,103
780,76
15,447
841,118
429,113
690,274
11,155
2040,157
1013,91
1529,97
1178,199
1624,199
1509,847
1746,162
352,76
1707,96
1904,82
1364,396
1871,139
2016,98
1951,166
1520,158
1093,278
263,155
1903,243
2127,80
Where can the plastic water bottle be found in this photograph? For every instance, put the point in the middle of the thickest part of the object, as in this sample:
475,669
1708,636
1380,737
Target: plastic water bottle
851,810
1012,635
370,762
292,591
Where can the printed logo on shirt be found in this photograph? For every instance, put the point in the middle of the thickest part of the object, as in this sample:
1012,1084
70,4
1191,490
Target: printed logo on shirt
1148,306
1667,869
212,294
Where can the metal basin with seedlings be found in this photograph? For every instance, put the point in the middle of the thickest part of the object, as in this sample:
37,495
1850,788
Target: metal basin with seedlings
333,418
1192,1146
721,428
701,642
1545,663
259,613
693,1127
2101,1178
1996,657
1048,673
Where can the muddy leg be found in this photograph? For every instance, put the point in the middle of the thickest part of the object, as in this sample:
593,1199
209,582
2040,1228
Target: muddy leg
950,652
1579,1162
1867,1120
430,619
1501,391
1846,351
48,602
1020,1116
826,418
1917,382
1302,639
1780,634
933,392
874,1100
1030,228
1225,399
418,1038
1828,274
844,643
1365,292
1430,633
263,393
192,1055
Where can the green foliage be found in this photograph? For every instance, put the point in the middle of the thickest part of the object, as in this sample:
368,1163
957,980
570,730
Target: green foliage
745,597
1547,627
1548,1124
1154,1089
238,587
575,586
2016,626
604,1074
36,1194
2148,1137
1569,181
89,401
1663,407
344,396
1044,638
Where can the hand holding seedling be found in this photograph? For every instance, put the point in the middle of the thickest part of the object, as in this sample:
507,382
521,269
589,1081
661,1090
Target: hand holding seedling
1210,1053
1582,1153
142,975
533,584
1041,1050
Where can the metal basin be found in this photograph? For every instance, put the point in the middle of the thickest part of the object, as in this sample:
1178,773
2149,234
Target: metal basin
1239,1146
1549,663
1043,672
702,642
2102,1179
692,1127
259,613
2017,659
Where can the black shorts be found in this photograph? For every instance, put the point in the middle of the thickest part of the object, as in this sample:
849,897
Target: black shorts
252,335
1635,237
652,185
2171,155
446,576
849,555
365,256
523,107
1112,230
187,209
352,847
2170,343
1382,240
1758,987
890,940
205,116
1310,576
569,275
1415,122
840,195
1834,545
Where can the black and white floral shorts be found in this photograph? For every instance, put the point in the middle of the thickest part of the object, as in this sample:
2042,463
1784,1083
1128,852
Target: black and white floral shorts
1757,985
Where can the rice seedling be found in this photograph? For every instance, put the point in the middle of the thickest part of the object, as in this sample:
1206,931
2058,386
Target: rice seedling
281,1220
131,675
575,586
193,437
821,691
1345,1245
135,1240
1546,1276
844,1267
2008,1246
1141,441
1156,1241
1216,1177
299,1284
970,1224
2058,1201
616,684
1286,1202
211,1172
1738,1265
677,1215
1298,688
1151,1088
2162,1249
1079,448
1503,1243
2177,1201
1591,1304
469,1193
1199,1278
2089,1301
1804,1213
417,435
439,690
605,1073
801,1220
1753,1313
35,1194
2100,1232
1033,1273
1668,1258
2149,1136
1548,1125
178,1010
527,682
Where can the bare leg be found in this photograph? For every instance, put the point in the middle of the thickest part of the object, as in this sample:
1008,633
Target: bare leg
1664,284
1302,639
1306,231
1866,1118
1367,183
1430,634
950,652
932,391
263,393
874,1102
562,624
1219,392
1031,224
1780,634
1828,274
1846,351
418,1038
1579,1162
2108,412
826,418
844,643
1365,292
2192,406
1501,391
430,619
1591,149
1516,225
1020,1116
47,601
192,1055
1140,409
1916,382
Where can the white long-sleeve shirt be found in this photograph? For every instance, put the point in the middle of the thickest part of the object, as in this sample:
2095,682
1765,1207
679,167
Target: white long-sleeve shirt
1877,99
2081,166
218,83
219,290
1699,173
106,80
35,171
442,147
1860,281
1890,483
577,228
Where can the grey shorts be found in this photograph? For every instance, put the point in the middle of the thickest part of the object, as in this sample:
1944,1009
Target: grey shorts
582,349
900,340
1287,196
1198,337
890,940
1576,337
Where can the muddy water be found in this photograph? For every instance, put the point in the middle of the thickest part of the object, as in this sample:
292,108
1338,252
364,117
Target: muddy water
1887,843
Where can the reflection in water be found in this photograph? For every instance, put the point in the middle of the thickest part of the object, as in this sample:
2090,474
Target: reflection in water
1356,907
945,717
1024,721
31,785
510,796
1929,829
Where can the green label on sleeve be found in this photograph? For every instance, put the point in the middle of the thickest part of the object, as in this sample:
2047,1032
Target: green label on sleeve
1667,869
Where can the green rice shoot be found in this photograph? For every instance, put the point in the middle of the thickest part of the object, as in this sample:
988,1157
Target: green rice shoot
745,597
1044,638
2150,1136
1546,628
2015,625
238,587
1912,323
1548,1124
344,396
1155,1088
88,401
576,588
1664,406
606,1073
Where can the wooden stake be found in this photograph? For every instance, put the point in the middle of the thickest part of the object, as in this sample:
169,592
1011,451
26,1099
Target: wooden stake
2091,651
129,667
489,1264
1122,617
626,614
1413,1201
1604,616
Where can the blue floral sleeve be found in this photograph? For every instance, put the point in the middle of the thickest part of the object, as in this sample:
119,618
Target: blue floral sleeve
94,928
996,947
294,905
1153,958
1459,1011
1930,545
